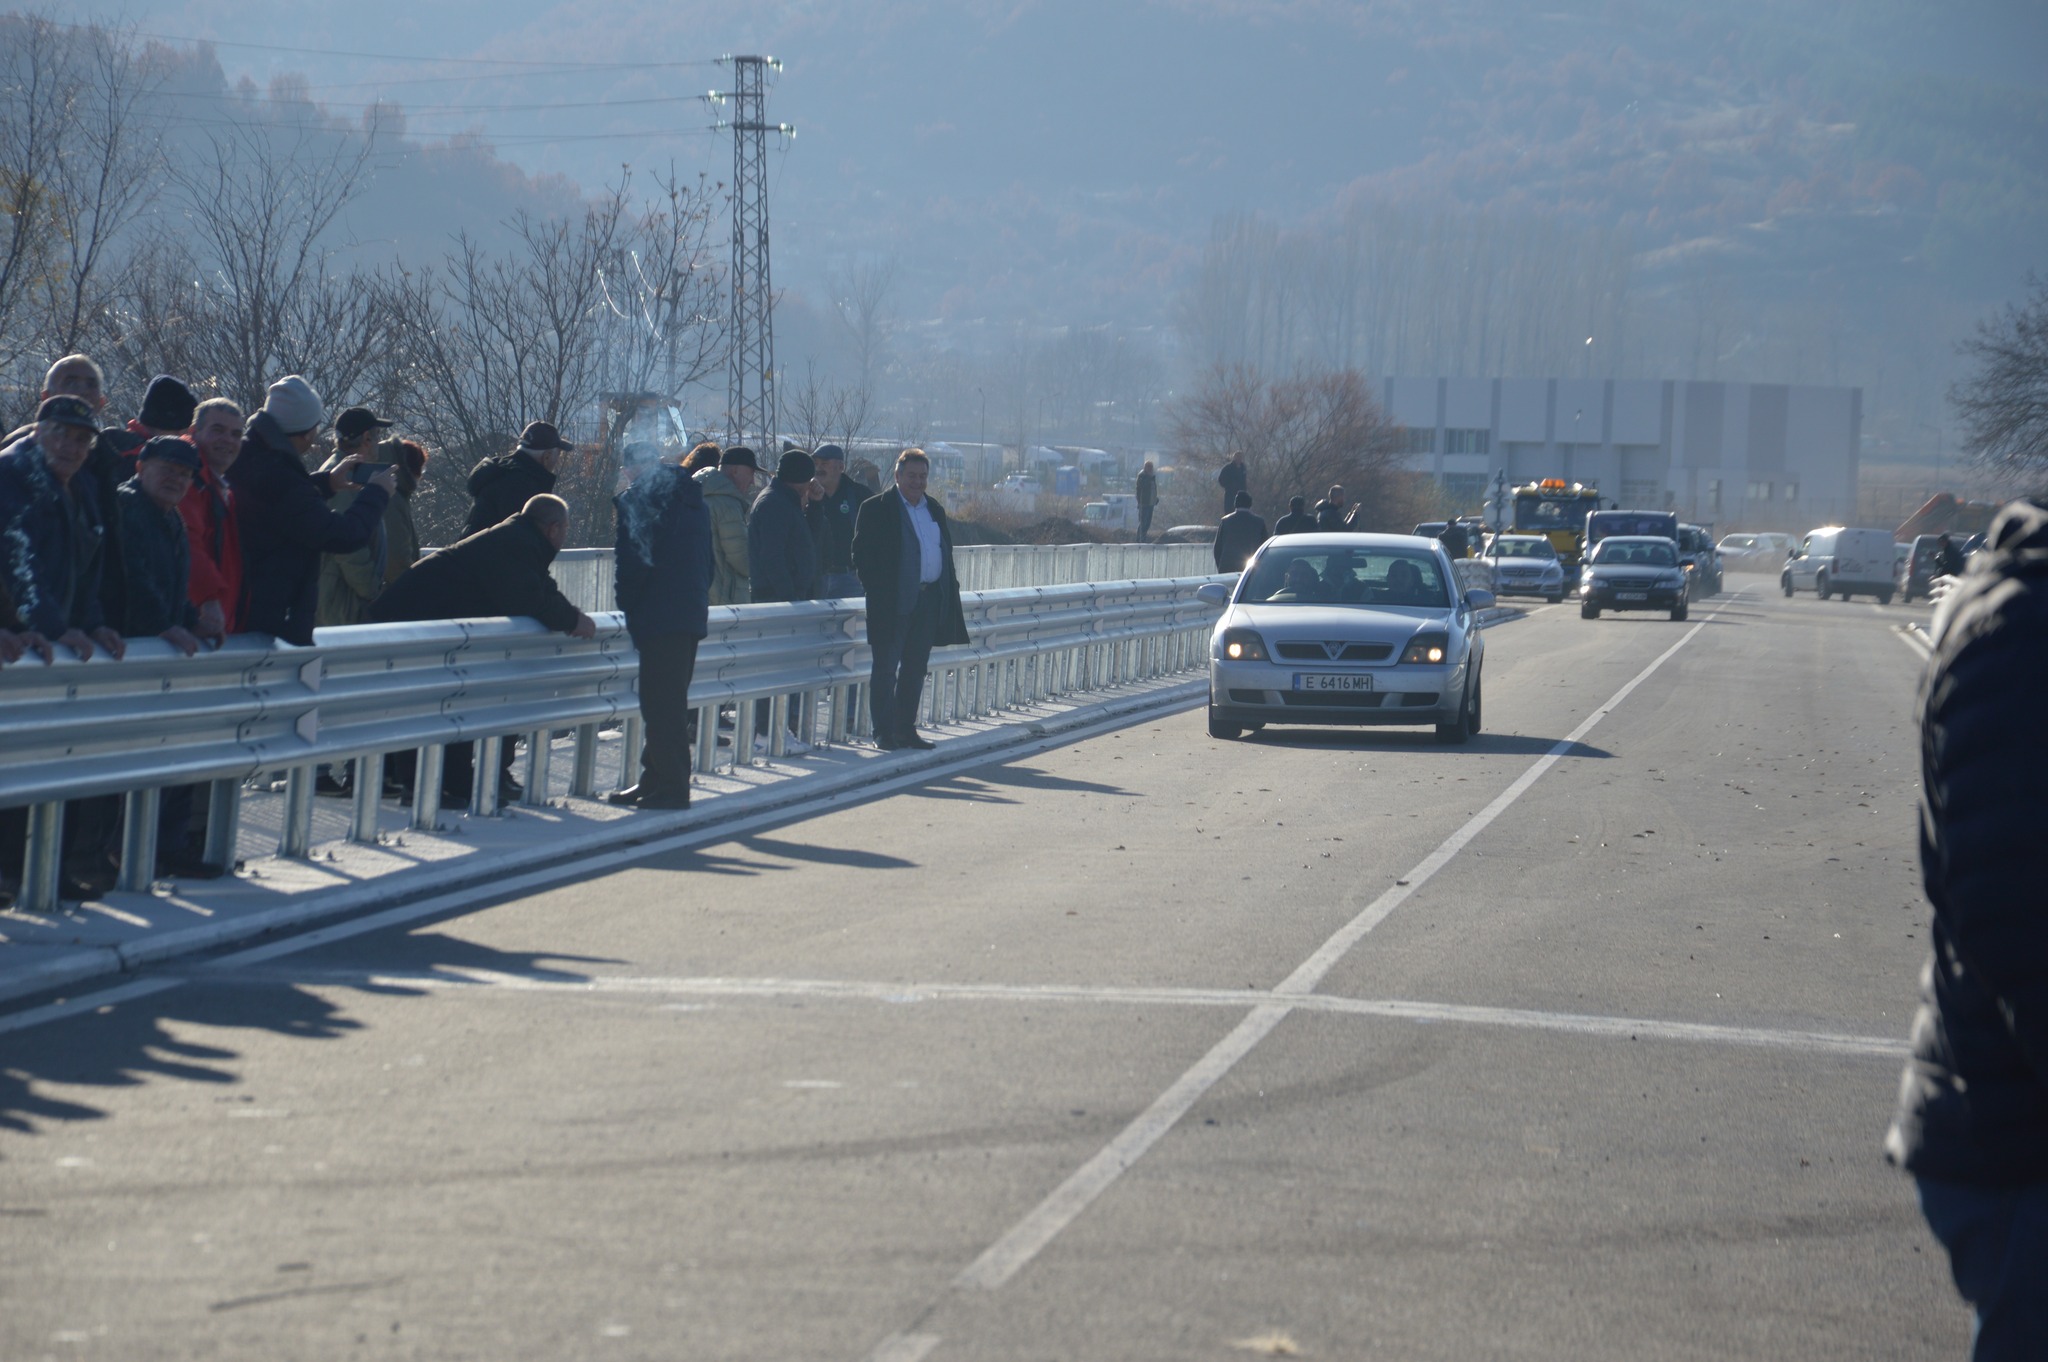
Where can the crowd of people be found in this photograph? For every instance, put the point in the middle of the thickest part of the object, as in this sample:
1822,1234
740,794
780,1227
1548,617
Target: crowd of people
196,520
1242,530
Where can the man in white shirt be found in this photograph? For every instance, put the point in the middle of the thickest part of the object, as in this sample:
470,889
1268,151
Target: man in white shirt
903,552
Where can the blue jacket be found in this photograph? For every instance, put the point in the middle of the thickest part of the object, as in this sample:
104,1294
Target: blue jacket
663,554
159,561
52,544
281,510
782,557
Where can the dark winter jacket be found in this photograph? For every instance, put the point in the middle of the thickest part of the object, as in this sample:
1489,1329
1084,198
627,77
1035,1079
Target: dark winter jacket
1973,1104
502,485
831,521
1294,522
1237,539
1147,488
282,513
159,566
1330,515
782,558
500,571
1232,478
886,554
52,543
663,557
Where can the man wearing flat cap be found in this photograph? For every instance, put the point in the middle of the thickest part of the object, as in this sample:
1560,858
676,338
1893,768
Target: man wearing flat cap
281,510
728,492
504,483
52,538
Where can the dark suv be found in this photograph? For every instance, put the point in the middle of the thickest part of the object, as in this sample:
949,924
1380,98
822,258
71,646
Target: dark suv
1696,549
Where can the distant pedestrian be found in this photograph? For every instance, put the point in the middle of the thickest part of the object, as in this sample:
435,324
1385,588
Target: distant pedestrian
831,513
502,484
728,494
1972,1124
1297,520
1147,492
281,509
1239,536
664,567
1456,541
1331,510
208,511
1234,478
782,558
1948,557
903,550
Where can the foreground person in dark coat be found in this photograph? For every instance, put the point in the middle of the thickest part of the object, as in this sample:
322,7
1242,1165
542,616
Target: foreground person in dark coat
501,571
281,511
1239,536
664,586
903,550
1972,1124
501,485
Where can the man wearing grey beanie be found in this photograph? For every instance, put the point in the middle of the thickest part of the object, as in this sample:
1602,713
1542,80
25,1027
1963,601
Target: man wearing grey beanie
281,510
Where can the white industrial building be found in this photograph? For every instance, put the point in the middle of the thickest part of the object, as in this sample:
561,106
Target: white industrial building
1758,455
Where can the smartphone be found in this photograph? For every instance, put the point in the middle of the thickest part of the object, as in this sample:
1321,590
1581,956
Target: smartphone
363,472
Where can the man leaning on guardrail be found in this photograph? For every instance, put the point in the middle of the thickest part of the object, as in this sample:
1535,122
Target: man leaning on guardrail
664,565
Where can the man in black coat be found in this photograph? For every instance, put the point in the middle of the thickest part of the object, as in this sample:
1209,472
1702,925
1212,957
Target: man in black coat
1234,478
281,510
501,571
903,551
664,570
1972,1124
782,554
1297,520
504,483
831,513
1239,536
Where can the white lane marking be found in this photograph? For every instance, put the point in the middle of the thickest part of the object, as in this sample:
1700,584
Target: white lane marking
898,994
904,1348
550,876
1913,638
1023,1241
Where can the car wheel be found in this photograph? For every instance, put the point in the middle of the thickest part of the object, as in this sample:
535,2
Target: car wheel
1820,586
1218,728
1458,730
1678,612
1589,611
1884,598
1555,599
1785,581
1478,708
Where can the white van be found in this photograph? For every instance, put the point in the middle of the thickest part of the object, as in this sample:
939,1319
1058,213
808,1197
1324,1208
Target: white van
1845,562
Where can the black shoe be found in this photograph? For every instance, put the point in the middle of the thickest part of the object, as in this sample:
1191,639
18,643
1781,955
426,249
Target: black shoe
188,867
918,741
889,742
645,796
86,879
510,791
325,784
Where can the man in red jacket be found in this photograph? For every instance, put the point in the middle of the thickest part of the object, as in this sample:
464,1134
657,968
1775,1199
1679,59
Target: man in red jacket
208,511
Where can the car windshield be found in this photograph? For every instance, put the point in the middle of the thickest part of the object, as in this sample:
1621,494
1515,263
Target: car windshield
1522,548
1346,576
1647,553
1739,541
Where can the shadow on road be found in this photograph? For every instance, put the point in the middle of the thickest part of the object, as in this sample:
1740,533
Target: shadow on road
981,787
1484,744
156,1037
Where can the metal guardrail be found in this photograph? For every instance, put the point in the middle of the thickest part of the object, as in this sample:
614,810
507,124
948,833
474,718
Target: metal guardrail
586,576
157,719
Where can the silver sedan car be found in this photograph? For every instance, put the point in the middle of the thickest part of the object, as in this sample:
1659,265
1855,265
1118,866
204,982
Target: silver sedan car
1346,629
1525,565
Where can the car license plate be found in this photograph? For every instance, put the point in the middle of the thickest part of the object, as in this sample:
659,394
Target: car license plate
1631,595
1337,681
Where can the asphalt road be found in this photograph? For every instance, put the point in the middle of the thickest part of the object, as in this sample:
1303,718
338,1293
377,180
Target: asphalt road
1577,1042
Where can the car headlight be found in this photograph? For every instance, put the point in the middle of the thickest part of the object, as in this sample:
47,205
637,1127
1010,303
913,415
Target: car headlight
1428,649
1243,645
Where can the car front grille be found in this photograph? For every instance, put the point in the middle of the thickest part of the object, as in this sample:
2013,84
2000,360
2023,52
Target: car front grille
1354,652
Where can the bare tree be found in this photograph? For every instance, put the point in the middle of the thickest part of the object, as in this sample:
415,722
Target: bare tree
815,412
2004,404
860,302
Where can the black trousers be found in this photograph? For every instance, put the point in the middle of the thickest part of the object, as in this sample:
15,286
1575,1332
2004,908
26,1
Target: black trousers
667,662
902,651
1144,521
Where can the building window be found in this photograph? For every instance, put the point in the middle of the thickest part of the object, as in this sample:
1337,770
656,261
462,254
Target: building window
1714,496
1791,491
1416,440
1466,491
1468,442
1760,491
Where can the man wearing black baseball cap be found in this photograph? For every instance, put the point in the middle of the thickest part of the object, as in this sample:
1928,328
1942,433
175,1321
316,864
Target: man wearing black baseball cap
152,533
504,483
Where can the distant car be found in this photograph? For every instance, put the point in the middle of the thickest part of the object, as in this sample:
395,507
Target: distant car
1633,572
1920,566
1837,560
1696,547
1754,552
1188,534
1345,630
1525,565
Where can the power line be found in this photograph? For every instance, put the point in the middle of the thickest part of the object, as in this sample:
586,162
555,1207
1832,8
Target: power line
415,57
410,110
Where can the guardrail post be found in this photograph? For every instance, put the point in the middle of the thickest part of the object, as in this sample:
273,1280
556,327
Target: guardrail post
778,725
42,867
485,754
223,822
295,838
369,788
540,756
430,764
583,776
139,810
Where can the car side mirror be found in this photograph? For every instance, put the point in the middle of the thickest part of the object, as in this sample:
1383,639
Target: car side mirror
1479,598
1213,593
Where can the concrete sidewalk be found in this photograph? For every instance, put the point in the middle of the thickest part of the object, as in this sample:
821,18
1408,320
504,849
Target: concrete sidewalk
91,941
